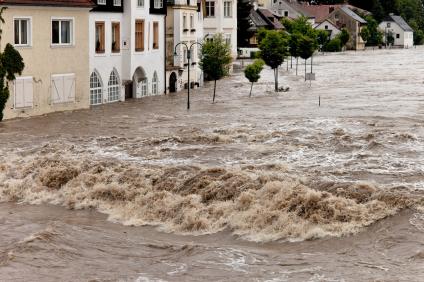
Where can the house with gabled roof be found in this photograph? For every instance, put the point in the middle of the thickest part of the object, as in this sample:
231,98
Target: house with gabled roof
53,39
399,29
328,26
261,18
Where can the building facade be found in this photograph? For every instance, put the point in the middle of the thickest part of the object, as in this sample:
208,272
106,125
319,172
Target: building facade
52,38
221,17
127,50
184,25
396,26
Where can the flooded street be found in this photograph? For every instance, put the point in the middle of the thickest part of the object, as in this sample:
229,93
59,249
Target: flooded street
268,188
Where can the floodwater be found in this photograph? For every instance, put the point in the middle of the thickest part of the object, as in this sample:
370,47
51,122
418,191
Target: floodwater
268,188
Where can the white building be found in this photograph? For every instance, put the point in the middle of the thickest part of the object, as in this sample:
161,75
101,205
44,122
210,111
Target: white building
328,26
221,17
127,50
184,24
402,33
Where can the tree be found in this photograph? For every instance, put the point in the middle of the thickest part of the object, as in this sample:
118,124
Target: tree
216,59
334,45
243,11
11,63
307,47
252,72
323,37
344,37
365,34
273,49
294,46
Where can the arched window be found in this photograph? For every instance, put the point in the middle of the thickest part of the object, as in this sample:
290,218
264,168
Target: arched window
155,84
143,84
96,91
113,87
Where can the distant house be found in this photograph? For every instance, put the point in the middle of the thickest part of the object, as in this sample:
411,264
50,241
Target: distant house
286,9
402,33
262,18
346,18
328,26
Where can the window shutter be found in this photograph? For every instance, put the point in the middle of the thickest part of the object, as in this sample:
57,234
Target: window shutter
28,92
57,89
19,93
69,82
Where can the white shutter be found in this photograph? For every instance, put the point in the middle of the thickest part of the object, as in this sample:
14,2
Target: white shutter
28,92
57,89
19,93
69,87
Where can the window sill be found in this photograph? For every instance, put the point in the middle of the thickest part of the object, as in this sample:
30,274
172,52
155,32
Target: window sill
193,30
62,45
186,29
100,55
22,46
116,53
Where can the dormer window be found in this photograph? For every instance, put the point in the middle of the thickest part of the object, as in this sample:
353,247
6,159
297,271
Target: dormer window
117,3
101,2
388,25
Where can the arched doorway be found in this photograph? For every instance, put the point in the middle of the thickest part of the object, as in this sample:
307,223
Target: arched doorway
113,90
173,82
139,83
96,89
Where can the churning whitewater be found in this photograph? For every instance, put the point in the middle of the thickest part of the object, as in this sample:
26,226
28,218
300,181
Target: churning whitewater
268,188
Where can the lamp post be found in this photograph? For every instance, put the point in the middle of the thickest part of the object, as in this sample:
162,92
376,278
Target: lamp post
189,51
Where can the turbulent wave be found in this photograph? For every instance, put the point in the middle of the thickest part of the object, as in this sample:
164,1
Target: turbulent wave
258,203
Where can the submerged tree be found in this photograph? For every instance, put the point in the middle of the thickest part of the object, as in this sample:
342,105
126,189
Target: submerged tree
216,60
253,71
307,47
273,49
11,63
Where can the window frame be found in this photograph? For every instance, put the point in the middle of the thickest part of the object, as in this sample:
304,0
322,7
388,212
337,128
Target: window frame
117,3
142,49
101,2
103,24
228,8
158,4
72,31
95,89
113,24
155,23
113,90
139,2
155,84
209,9
29,31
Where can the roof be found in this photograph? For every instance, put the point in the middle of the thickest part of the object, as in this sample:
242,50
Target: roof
321,12
269,18
256,19
55,3
400,21
352,14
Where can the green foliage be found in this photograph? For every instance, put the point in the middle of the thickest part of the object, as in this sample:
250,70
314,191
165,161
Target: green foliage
371,33
322,37
418,37
216,58
243,11
390,38
344,37
307,47
273,48
365,33
333,45
11,63
252,71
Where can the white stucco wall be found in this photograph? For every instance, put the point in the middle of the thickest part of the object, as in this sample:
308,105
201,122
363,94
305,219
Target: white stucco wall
406,39
326,25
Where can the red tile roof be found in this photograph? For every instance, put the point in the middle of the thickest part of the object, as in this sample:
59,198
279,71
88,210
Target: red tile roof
56,3
320,12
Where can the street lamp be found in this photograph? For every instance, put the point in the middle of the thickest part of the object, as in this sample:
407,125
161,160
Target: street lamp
189,51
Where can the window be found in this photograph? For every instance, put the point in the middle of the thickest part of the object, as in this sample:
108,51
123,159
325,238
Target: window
113,92
63,88
155,84
116,37
228,39
139,35
143,85
140,3
155,35
191,21
117,3
62,32
286,13
210,8
326,27
96,89
22,32
100,37
158,4
185,22
23,92
227,9
185,56
101,2
397,35
388,25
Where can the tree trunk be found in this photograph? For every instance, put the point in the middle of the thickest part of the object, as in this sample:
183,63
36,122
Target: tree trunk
291,62
297,64
214,91
276,79
305,69
251,86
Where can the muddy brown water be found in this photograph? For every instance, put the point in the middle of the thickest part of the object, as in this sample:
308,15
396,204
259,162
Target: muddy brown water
268,188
